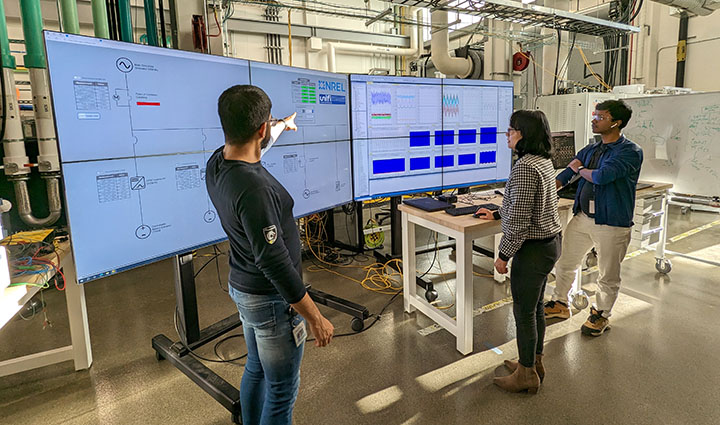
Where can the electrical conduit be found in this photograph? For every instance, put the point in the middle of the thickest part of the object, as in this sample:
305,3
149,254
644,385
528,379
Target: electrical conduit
100,19
126,28
69,16
151,23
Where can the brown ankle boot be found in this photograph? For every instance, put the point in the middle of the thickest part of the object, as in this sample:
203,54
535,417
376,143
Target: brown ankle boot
523,378
512,365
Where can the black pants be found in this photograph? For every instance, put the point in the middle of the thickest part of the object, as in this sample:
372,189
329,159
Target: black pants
528,277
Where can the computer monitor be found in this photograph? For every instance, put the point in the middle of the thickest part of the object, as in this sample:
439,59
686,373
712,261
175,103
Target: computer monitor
563,149
397,135
136,125
420,134
476,115
313,164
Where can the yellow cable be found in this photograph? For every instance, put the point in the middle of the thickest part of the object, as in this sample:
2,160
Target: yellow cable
551,72
592,71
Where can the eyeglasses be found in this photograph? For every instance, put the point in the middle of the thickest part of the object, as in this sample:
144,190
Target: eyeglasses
507,133
598,117
273,121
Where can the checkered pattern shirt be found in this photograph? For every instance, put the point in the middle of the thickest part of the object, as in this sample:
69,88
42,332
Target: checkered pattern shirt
530,204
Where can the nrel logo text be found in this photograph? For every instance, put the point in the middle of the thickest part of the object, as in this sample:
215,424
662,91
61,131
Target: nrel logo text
331,86
331,99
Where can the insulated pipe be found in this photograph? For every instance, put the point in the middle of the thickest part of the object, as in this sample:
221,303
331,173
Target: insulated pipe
48,161
22,199
501,53
126,28
415,49
462,67
151,22
15,157
100,19
69,16
32,24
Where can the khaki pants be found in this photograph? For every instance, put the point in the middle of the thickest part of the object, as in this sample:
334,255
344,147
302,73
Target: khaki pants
611,244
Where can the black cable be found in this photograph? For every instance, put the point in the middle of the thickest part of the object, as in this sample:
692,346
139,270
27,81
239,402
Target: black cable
162,23
640,4
432,264
184,344
206,264
215,349
217,267
557,62
377,319
4,102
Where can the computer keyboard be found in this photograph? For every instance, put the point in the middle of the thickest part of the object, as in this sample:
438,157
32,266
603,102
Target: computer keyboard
470,209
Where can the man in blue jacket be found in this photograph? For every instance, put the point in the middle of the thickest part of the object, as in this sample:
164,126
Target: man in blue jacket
608,172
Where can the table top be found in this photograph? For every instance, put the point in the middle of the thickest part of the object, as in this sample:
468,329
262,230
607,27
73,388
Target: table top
464,223
656,187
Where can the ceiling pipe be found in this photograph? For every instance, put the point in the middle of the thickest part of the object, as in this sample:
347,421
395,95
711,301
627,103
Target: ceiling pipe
414,50
439,46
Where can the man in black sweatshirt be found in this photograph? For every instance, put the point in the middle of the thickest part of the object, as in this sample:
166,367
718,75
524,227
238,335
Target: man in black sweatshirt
265,259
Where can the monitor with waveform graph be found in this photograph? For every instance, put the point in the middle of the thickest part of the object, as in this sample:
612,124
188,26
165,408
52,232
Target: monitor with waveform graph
397,132
476,114
421,134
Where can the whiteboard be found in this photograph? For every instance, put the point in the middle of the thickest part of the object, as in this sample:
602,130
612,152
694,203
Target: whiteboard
680,139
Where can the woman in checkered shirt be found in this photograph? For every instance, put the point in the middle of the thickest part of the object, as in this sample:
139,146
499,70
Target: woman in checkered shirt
531,237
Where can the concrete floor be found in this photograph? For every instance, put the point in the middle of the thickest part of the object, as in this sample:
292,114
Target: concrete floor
658,364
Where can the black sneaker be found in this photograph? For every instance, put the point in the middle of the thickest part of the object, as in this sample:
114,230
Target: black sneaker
596,324
557,309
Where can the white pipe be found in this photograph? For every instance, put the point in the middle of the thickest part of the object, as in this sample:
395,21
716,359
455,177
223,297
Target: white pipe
415,49
13,143
420,38
500,58
639,54
462,67
48,160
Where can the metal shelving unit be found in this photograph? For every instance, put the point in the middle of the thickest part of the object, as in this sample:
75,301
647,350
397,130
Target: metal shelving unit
527,15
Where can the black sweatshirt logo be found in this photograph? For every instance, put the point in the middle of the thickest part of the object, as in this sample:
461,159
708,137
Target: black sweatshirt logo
270,233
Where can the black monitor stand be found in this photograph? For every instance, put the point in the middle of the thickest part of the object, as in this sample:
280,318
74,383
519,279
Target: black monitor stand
192,337
178,353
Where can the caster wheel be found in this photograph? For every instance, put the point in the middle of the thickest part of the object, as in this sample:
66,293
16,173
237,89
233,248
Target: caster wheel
591,260
581,301
684,210
357,324
235,418
664,266
158,357
431,295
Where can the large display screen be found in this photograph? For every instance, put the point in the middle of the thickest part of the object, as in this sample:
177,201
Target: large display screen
313,163
136,126
418,134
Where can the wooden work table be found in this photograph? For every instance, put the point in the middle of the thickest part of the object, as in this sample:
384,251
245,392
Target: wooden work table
12,299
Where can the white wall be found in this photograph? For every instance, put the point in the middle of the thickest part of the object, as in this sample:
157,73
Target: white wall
251,46
703,51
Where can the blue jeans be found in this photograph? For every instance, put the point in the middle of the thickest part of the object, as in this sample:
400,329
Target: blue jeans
271,379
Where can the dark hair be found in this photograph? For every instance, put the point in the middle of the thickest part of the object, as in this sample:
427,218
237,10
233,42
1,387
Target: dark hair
535,130
243,109
618,110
